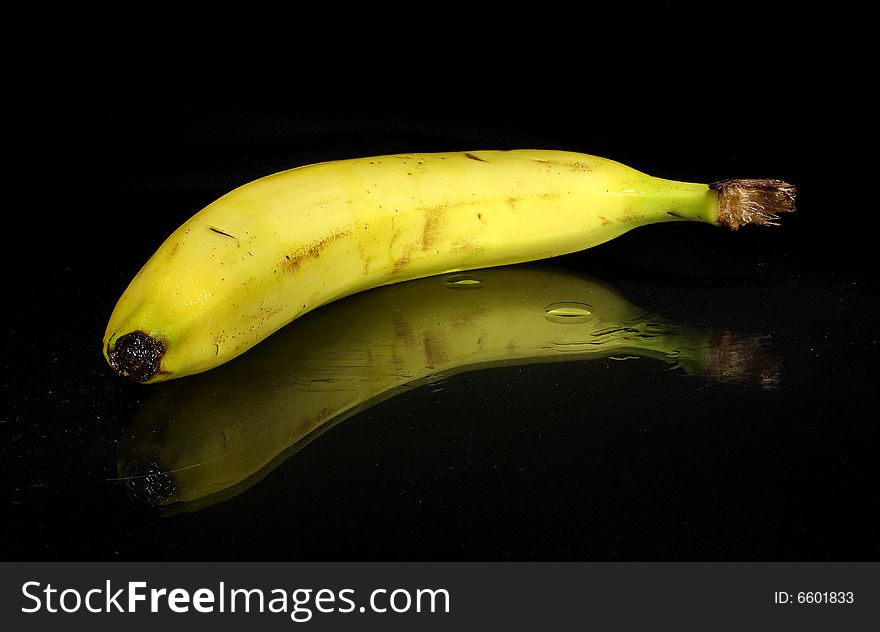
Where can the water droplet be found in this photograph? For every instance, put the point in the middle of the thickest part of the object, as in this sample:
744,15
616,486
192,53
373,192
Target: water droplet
464,282
568,313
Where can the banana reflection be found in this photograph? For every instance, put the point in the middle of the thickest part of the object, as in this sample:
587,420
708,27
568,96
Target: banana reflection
208,437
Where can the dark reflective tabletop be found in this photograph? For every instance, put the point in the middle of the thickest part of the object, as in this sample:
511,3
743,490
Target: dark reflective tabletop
680,393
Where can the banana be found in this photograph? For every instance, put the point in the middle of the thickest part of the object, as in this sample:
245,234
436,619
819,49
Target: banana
276,248
203,440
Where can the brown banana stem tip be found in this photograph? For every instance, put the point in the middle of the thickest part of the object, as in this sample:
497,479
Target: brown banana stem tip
136,356
743,359
752,201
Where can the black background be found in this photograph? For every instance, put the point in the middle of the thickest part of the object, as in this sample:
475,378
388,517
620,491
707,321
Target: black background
119,137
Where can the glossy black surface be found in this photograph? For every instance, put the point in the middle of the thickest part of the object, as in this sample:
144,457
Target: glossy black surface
600,460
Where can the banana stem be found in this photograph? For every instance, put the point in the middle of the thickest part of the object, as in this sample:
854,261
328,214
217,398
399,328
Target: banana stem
727,203
746,201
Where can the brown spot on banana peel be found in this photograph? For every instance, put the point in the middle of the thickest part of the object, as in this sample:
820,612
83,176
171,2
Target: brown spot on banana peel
465,247
513,200
435,352
580,167
366,257
631,219
403,331
574,166
221,232
293,261
474,157
432,227
464,320
401,262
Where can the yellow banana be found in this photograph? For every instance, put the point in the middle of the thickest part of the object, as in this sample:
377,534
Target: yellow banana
276,248
199,441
